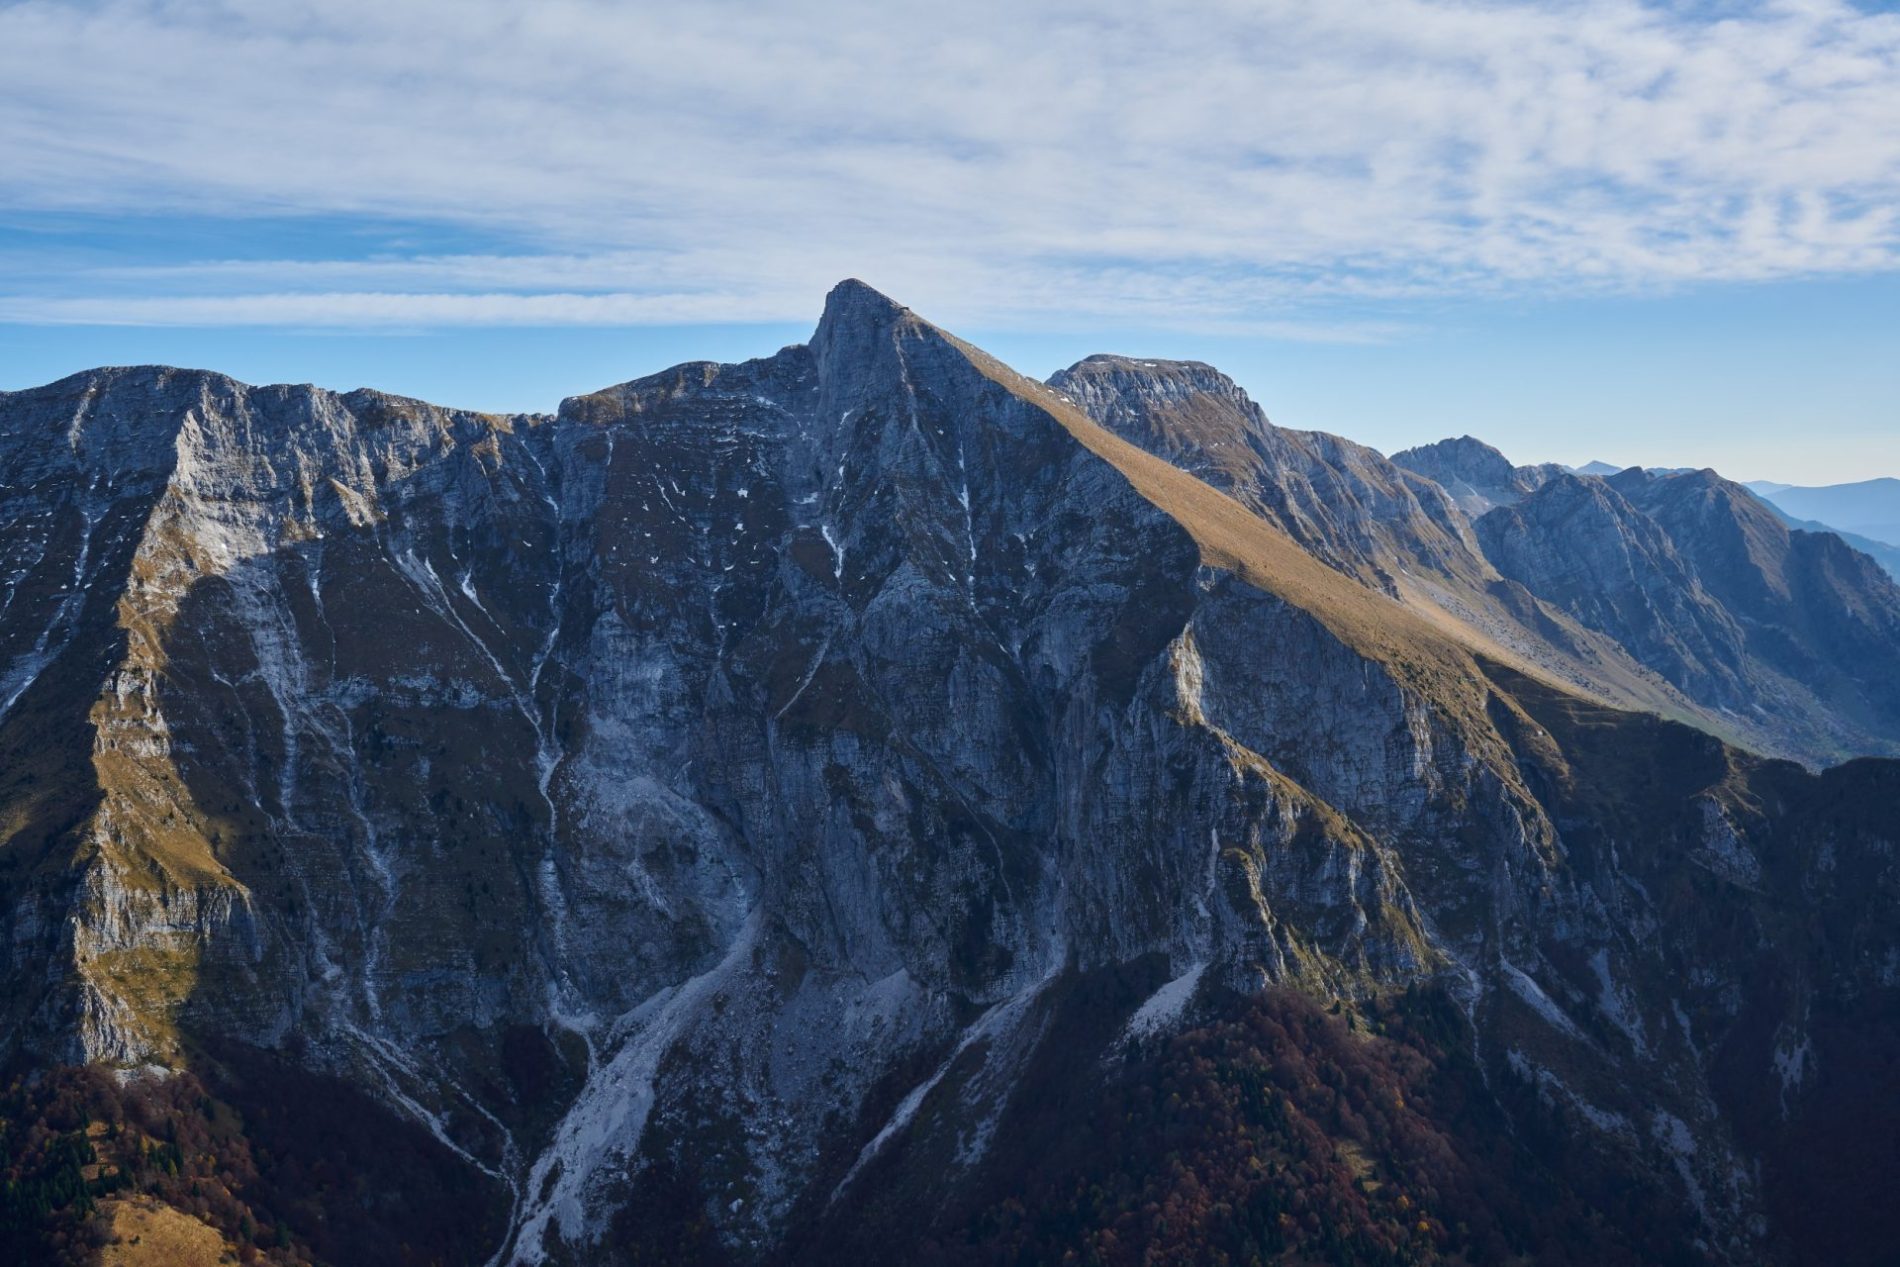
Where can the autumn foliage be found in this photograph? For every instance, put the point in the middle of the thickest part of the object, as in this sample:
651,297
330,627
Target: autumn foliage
1293,1134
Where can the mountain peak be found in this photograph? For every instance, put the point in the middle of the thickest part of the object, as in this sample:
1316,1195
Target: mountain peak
1105,374
1157,367
853,300
856,317
956,738
1477,476
137,377
1467,456
1186,412
1151,378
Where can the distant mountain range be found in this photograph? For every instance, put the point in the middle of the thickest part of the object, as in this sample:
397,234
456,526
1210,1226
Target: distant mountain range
1881,552
1701,581
865,805
1870,508
1866,515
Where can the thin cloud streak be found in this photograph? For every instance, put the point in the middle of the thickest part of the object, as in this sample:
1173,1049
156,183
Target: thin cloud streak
1216,164
385,310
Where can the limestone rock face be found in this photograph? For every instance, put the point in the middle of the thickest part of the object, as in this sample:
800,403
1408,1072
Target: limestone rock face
1474,474
1565,572
1775,634
1579,543
1341,501
780,751
1703,583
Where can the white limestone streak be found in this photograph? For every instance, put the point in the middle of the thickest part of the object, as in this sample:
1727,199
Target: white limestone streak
997,1021
1541,1003
1162,1009
817,662
601,1132
837,552
60,627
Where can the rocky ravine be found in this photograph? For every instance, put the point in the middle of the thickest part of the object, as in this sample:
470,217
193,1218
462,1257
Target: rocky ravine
776,760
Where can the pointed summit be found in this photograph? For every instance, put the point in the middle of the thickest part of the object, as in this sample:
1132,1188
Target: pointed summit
855,306
853,297
857,319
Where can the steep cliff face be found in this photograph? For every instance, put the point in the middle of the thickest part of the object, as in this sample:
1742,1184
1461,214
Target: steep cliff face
1341,501
1578,543
1779,638
758,780
246,779
1547,583
1703,583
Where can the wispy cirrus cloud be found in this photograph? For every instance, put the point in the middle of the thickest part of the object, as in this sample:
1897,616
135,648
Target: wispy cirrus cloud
1229,164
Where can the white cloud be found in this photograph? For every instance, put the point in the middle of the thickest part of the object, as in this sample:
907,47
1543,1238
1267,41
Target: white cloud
385,309
1224,163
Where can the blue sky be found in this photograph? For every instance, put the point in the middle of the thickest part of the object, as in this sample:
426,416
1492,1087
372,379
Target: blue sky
1660,233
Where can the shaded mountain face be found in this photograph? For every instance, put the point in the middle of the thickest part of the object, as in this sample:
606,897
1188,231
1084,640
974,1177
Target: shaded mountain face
1816,611
1887,556
1703,583
764,812
1577,542
1778,639
1350,508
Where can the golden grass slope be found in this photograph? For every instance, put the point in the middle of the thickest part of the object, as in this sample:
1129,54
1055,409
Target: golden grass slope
143,1231
1427,648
